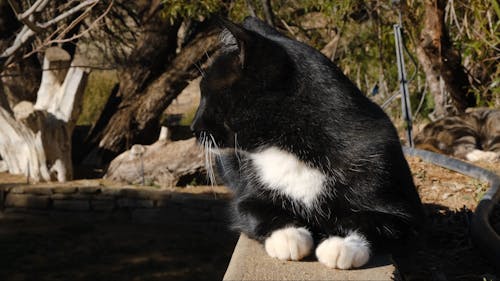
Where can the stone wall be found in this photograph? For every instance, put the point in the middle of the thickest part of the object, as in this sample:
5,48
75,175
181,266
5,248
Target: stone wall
144,204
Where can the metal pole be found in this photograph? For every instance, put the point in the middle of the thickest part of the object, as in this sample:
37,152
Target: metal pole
403,83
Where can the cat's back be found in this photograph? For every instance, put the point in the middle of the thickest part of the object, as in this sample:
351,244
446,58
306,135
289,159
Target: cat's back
302,54
320,81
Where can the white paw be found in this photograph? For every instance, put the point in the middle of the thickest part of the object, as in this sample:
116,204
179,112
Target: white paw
289,243
344,253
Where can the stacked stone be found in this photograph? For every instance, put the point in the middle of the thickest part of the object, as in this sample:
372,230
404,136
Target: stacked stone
140,203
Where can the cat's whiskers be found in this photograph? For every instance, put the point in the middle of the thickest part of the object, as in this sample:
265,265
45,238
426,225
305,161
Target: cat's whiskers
209,144
236,148
214,143
202,73
206,143
209,58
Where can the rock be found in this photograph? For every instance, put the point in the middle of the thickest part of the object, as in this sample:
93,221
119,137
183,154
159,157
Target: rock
102,205
135,203
110,191
163,163
39,190
2,199
71,205
17,189
64,189
28,201
251,262
89,189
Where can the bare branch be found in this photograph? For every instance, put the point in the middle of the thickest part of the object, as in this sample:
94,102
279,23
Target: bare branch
268,12
251,9
68,13
59,38
26,16
76,36
38,6
288,28
22,37
30,29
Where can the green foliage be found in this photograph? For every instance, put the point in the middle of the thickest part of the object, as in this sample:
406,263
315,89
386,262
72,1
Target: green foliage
365,50
475,27
179,9
479,188
174,9
337,9
99,86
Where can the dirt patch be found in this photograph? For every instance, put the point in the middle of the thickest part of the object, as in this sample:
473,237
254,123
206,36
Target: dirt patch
447,252
441,186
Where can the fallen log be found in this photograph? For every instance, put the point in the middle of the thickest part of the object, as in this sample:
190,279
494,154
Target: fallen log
162,163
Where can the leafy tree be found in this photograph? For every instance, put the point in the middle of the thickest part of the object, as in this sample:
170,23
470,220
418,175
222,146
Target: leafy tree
157,46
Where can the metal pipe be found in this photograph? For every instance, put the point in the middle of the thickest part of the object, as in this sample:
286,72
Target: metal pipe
403,84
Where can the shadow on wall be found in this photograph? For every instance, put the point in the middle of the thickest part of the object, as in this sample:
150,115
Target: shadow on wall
151,244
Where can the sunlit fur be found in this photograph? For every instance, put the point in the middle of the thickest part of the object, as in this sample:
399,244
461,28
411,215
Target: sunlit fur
302,149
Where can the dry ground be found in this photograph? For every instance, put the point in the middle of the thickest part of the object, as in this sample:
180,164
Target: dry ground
449,199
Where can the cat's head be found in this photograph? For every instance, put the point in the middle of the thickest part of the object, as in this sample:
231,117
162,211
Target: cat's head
243,89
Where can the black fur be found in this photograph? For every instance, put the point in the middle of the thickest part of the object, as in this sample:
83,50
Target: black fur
266,90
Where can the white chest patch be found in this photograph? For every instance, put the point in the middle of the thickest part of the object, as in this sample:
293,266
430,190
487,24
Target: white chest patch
284,172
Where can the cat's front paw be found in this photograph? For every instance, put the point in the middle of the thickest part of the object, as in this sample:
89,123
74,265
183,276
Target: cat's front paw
289,243
344,253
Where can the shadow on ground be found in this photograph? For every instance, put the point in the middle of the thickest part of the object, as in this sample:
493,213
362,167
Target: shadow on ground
448,252
45,248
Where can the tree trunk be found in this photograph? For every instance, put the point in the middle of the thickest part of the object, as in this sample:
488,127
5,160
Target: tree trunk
156,45
442,63
136,118
36,139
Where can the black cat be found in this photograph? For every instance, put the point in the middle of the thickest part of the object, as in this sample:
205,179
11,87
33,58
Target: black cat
310,159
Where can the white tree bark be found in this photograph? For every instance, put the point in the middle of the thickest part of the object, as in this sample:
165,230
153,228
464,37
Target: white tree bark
35,140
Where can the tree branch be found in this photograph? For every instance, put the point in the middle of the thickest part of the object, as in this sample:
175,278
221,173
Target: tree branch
59,38
27,16
68,13
21,38
251,9
30,29
268,12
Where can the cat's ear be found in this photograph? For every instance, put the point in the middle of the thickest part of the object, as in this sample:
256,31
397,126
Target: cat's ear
235,35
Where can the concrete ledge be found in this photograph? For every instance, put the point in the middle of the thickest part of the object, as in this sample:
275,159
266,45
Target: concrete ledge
250,262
